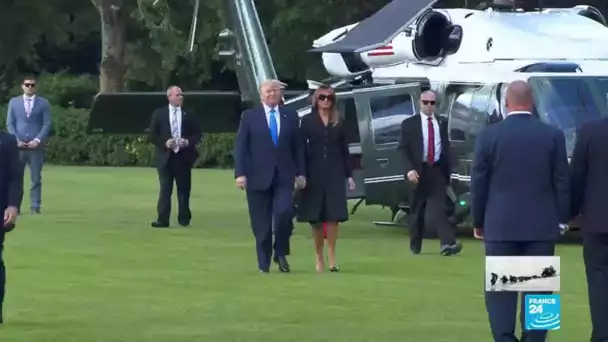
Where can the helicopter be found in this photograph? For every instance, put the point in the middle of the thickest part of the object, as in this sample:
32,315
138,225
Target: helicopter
380,66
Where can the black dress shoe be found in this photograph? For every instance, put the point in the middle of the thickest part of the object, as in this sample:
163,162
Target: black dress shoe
448,250
415,248
36,211
157,224
184,223
283,264
264,271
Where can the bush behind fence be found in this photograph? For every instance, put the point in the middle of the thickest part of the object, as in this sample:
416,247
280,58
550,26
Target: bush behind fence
69,144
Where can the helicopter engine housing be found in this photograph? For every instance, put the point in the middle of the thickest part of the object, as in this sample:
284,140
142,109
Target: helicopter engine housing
431,37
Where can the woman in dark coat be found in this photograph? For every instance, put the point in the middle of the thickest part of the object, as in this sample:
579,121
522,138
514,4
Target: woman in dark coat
327,172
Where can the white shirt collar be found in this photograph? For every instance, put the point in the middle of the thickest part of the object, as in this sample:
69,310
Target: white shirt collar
171,107
267,109
519,112
25,97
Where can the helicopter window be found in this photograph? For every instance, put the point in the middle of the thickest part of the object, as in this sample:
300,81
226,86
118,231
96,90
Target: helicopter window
387,114
503,104
568,103
468,114
493,111
348,112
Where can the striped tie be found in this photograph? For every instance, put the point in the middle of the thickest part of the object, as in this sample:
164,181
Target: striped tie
175,128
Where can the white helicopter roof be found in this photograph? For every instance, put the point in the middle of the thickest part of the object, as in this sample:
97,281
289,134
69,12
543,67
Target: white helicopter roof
492,36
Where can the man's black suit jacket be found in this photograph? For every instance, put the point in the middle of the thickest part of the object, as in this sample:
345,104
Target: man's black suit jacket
255,155
11,186
160,132
589,176
519,181
412,146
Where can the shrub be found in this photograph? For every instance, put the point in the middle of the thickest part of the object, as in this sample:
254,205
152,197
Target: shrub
69,144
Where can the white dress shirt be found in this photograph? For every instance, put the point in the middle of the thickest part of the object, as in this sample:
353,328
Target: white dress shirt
28,100
276,115
425,136
179,120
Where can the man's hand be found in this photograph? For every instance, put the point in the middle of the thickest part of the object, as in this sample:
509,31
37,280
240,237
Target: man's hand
413,176
478,233
351,184
301,182
33,144
21,144
170,143
241,182
10,216
183,142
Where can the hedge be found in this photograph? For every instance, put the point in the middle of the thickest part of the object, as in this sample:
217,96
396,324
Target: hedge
69,144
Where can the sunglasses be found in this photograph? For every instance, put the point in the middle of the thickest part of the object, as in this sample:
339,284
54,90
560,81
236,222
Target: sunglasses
330,98
29,85
427,102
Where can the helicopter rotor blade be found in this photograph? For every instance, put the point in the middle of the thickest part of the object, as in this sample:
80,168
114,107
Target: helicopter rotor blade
193,25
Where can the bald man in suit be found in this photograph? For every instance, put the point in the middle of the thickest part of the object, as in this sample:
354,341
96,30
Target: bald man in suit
520,195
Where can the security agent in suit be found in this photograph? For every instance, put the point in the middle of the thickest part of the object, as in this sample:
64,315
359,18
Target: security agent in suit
425,150
269,156
520,195
589,186
29,120
175,135
11,193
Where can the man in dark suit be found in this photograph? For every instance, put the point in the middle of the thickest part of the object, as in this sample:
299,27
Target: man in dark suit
175,135
269,157
589,185
11,193
520,195
425,148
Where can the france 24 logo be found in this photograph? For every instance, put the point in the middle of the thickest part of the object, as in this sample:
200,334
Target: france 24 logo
543,312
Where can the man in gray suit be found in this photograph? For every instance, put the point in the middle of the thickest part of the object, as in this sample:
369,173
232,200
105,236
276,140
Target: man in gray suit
29,120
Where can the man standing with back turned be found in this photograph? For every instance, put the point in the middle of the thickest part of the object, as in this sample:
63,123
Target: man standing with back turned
269,156
589,167
520,195
11,191
29,120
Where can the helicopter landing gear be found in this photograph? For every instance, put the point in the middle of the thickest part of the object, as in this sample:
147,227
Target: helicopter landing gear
399,216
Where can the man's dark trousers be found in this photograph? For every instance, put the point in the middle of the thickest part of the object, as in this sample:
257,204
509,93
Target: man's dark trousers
502,306
595,255
274,203
2,272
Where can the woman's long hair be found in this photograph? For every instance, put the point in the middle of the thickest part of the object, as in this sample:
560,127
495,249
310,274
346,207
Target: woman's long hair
334,116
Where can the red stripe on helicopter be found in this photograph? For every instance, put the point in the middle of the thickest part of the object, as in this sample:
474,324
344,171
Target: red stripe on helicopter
386,50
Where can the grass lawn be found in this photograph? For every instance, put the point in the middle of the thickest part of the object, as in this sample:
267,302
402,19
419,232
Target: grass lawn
91,269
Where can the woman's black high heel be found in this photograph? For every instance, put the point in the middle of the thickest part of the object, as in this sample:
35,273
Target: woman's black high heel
334,269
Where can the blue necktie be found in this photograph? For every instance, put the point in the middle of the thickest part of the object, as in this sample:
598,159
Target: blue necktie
274,128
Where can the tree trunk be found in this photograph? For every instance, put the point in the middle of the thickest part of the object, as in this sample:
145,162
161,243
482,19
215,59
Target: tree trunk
113,41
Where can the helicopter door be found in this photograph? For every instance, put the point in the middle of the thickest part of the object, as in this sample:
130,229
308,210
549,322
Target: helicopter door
380,111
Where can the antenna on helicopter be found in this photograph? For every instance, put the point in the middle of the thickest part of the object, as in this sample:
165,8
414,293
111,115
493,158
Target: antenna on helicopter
192,36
